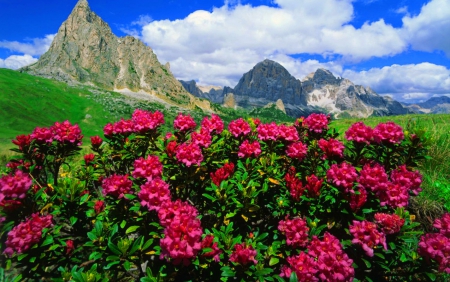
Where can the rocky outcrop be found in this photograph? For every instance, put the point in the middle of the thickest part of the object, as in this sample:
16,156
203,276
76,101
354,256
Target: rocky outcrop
213,93
86,51
434,105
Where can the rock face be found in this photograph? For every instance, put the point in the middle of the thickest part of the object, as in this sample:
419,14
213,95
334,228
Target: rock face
85,50
212,93
434,105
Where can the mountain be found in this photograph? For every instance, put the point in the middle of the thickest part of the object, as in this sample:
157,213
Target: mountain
434,105
86,51
212,93
269,83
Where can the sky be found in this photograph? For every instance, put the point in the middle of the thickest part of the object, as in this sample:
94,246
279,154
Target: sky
397,48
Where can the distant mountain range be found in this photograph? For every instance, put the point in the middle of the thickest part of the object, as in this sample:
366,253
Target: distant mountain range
434,105
85,51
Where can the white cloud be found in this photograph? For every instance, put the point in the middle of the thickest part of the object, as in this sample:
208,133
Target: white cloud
15,61
404,82
37,46
429,31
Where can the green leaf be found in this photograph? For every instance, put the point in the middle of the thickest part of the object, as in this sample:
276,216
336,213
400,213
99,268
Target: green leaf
123,223
111,264
227,272
92,236
114,248
209,197
130,196
48,240
21,257
368,264
127,265
403,258
73,219
263,272
431,276
293,277
84,198
273,261
112,258
136,245
147,244
131,229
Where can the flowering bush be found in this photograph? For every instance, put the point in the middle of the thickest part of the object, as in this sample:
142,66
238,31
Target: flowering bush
256,202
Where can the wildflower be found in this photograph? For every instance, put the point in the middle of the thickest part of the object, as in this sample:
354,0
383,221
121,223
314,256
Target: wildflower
343,175
288,133
148,168
99,206
184,122
26,234
247,149
243,254
108,130
394,196
388,132
208,242
409,179
169,210
303,265
359,133
69,247
294,184
144,121
389,223
189,154
154,193
316,122
239,127
268,131
116,185
373,178
96,142
296,231
42,135
123,127
171,148
437,247
65,132
331,148
15,186
222,173
202,139
357,201
297,150
443,224
313,185
23,142
215,124
88,158
366,235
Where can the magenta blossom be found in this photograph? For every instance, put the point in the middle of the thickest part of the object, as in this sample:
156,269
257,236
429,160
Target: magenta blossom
366,235
388,132
239,127
359,133
189,154
316,122
184,122
248,149
243,254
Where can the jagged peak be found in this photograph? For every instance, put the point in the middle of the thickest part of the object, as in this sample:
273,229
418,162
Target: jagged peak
82,4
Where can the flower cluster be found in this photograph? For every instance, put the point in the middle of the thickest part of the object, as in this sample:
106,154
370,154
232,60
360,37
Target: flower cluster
154,193
294,184
222,173
359,133
394,196
189,154
184,122
268,131
116,185
208,243
325,261
316,122
214,124
15,186
141,122
388,132
122,127
443,224
288,133
202,138
88,159
332,148
437,247
243,254
296,231
373,178
182,232
297,150
23,142
313,185
96,142
389,223
26,234
343,175
65,132
411,180
366,235
247,149
357,200
148,168
99,206
239,127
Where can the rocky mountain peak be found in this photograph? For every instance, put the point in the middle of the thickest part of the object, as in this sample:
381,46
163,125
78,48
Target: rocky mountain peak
322,77
86,51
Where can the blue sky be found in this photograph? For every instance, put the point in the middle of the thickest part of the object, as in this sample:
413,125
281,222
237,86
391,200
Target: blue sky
398,48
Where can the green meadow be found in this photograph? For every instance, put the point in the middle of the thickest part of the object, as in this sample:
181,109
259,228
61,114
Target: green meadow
27,101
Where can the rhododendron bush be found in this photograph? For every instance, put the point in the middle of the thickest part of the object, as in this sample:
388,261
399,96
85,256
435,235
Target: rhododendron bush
247,201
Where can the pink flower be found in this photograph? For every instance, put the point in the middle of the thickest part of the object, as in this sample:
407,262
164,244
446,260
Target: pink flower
373,178
437,247
409,179
303,265
144,121
23,142
208,242
88,158
389,223
184,122
443,224
16,186
202,139
388,132
296,231
316,122
117,186
394,196
357,201
359,133
213,124
297,150
108,130
69,247
171,148
189,154
288,133
96,142
247,149
343,175
154,193
222,173
366,235
294,184
169,210
268,131
26,234
67,133
313,185
239,127
331,148
42,135
148,168
243,254
99,206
